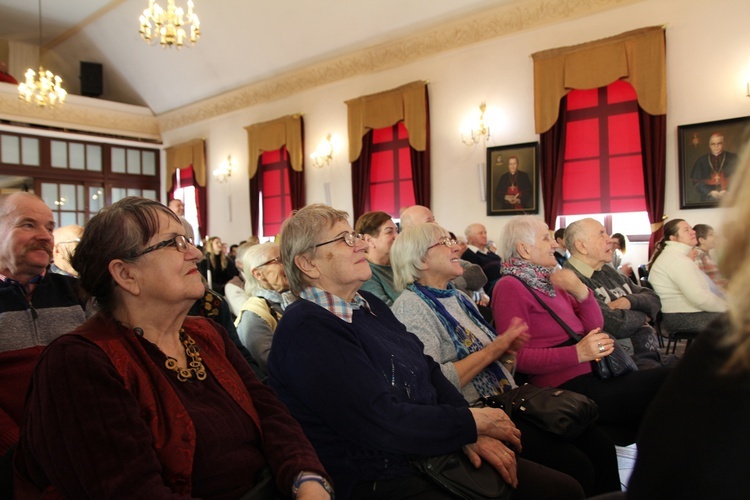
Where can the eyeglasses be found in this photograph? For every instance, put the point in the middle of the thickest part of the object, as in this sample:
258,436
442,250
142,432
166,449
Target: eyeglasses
350,238
277,260
180,242
74,240
445,240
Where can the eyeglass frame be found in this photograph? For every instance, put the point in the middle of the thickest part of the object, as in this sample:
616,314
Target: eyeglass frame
163,244
352,236
74,240
445,240
277,260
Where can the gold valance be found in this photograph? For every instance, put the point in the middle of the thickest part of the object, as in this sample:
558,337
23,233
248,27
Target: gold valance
270,136
407,103
186,154
638,57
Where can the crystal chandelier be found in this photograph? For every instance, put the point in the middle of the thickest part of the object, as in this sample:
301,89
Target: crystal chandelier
47,90
169,25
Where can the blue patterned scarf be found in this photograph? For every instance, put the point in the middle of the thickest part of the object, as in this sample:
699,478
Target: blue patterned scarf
492,380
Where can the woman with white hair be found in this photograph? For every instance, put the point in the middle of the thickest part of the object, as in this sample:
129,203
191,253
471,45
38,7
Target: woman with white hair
265,284
550,358
361,386
475,358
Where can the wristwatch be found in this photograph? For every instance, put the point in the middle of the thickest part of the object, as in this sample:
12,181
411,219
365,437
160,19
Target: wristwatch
303,477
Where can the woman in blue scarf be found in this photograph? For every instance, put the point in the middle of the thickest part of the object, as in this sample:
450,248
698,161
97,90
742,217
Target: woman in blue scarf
475,358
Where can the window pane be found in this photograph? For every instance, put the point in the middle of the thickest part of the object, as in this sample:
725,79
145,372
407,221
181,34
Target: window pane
382,198
93,158
68,218
586,144
382,135
134,161
406,194
118,194
59,152
272,182
402,132
133,192
67,197
271,156
149,163
80,198
624,135
580,99
150,194
10,150
49,194
96,199
30,151
404,163
77,156
381,166
118,161
620,91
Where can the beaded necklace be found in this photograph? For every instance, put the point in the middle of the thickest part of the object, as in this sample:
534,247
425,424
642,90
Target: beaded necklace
195,366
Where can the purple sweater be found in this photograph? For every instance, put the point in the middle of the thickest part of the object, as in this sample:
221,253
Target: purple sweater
547,365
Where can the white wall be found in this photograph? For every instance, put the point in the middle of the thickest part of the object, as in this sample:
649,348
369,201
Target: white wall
708,67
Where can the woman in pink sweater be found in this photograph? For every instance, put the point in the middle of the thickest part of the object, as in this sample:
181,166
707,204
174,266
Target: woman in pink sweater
550,357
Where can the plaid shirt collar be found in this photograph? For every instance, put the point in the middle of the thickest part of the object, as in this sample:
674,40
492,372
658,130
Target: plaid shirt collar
336,305
30,286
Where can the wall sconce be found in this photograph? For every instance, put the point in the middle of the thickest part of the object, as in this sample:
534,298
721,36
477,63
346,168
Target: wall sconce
323,155
478,132
224,172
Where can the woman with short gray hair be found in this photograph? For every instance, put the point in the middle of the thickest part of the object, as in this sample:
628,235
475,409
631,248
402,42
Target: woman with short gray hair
265,286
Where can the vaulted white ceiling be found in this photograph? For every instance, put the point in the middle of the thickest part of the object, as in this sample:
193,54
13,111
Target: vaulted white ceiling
243,41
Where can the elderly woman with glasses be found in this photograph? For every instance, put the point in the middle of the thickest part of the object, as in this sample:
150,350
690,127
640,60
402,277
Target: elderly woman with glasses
143,401
360,384
265,284
475,358
550,357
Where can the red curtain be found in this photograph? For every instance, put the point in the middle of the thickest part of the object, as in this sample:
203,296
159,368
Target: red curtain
654,153
187,178
361,176
420,165
552,158
255,198
296,191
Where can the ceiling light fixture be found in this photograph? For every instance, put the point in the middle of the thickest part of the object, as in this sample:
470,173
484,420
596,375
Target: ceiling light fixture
47,90
169,25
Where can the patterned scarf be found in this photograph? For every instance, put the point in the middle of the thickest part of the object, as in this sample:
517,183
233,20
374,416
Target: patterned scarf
492,380
537,277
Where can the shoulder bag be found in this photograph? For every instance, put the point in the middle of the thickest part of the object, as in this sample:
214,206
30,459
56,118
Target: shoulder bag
615,365
455,474
558,411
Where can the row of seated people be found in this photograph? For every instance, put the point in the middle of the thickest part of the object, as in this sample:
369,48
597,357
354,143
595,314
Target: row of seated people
179,411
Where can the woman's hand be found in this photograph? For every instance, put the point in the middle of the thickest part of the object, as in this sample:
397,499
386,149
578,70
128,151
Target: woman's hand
569,281
495,423
595,345
497,455
511,339
312,490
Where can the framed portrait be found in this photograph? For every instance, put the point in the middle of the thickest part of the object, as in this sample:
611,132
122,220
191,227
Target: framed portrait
513,179
708,158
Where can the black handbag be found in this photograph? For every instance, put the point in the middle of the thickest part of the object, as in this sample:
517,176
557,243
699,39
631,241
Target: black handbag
565,413
455,474
615,365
